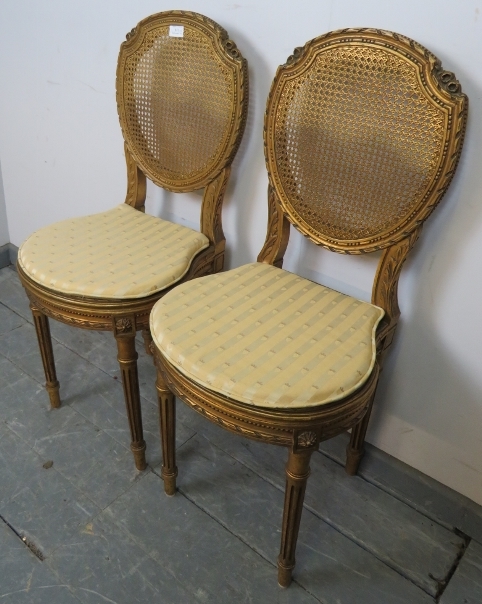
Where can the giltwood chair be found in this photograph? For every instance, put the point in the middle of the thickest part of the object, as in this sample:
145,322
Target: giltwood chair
182,93
363,132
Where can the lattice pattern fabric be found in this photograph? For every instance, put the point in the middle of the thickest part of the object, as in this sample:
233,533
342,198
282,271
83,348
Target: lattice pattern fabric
357,141
179,97
121,253
266,337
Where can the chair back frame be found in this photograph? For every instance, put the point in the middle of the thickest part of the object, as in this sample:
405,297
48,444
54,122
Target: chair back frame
442,95
226,70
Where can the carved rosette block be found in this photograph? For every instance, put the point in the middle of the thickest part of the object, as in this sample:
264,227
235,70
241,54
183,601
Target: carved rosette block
307,440
124,326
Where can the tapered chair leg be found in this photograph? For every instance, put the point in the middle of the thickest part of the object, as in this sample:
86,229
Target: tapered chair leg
146,334
127,357
42,328
167,421
297,472
355,448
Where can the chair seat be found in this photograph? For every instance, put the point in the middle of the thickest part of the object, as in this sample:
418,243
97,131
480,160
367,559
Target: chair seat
121,253
266,337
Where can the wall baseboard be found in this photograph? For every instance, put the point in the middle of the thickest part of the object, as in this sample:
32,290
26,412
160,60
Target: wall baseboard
8,255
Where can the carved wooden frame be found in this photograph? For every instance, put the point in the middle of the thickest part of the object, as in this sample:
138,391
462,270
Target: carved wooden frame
301,430
230,56
439,85
124,317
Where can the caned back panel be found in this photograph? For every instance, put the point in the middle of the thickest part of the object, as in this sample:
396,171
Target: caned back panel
180,99
357,138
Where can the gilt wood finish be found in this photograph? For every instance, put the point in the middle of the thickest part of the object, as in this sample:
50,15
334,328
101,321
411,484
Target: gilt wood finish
438,89
439,95
221,63
126,316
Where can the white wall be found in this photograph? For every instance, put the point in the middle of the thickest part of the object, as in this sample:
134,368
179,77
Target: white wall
4,235
61,154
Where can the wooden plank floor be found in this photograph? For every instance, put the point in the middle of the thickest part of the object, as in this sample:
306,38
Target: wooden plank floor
79,523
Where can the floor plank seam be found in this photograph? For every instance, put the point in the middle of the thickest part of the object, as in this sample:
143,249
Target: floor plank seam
29,544
27,442
92,518
140,475
333,526
140,543
54,469
59,576
251,547
12,330
21,369
188,438
66,476
395,494
28,320
373,553
443,584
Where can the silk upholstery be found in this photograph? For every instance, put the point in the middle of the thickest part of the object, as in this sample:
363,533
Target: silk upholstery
267,337
120,253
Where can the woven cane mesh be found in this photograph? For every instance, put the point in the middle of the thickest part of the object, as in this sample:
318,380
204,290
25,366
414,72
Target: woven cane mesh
178,97
357,142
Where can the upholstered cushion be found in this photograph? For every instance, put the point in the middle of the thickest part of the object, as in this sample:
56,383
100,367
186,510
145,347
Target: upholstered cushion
266,337
121,253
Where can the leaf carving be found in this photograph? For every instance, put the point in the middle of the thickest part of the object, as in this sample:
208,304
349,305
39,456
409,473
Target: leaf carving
385,287
278,232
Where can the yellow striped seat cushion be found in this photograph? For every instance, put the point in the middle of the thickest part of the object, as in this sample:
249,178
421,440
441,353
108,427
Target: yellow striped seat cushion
263,336
121,253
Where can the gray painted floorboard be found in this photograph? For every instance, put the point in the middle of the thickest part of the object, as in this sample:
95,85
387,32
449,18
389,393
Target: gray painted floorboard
107,533
465,587
388,528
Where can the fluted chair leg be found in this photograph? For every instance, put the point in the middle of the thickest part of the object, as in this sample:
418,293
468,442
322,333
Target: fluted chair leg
167,421
146,334
127,357
42,328
297,472
355,449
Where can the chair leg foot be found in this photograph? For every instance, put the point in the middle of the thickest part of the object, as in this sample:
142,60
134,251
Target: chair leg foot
42,329
297,472
353,459
284,576
127,357
169,484
356,447
139,456
54,394
167,422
